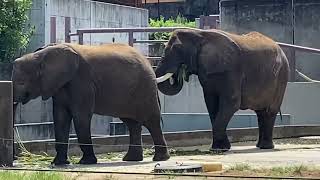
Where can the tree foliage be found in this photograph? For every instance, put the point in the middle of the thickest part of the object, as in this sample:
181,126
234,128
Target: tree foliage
179,21
14,31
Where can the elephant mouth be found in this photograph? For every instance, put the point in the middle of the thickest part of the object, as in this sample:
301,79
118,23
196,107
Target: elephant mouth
178,76
173,83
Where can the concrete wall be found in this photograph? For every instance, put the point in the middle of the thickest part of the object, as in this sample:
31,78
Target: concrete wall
167,10
306,33
296,23
83,14
190,9
300,102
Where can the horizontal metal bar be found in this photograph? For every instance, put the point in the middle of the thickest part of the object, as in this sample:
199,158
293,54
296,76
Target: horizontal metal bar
33,124
154,58
300,48
150,41
73,34
127,30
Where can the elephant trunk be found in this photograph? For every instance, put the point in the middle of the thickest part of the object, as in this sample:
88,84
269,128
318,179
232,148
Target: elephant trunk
169,83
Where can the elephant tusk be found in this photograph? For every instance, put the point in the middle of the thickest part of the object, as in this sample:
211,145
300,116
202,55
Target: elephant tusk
164,77
171,80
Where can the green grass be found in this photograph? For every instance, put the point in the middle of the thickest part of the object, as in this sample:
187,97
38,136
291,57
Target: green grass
240,167
35,160
289,170
294,170
11,175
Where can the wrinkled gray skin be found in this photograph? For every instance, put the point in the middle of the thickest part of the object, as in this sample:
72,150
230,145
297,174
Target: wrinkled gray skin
113,80
235,72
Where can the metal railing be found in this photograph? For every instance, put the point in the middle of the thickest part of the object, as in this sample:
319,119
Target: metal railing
291,53
130,31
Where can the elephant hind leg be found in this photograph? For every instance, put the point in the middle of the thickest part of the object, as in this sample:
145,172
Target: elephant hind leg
135,152
266,120
161,150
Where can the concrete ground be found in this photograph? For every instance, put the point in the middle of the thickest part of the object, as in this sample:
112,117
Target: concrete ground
287,152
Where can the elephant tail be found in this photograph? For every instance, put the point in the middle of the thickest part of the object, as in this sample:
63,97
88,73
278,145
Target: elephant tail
281,115
160,108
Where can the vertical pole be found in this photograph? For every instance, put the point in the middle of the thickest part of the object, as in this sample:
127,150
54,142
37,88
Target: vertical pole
80,38
67,29
6,124
53,29
158,9
131,38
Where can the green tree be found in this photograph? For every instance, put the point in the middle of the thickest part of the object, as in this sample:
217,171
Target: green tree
179,21
14,31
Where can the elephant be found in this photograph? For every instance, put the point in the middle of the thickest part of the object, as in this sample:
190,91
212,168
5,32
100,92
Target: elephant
110,79
236,72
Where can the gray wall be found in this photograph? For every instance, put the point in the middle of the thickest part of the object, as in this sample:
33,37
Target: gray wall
300,102
190,9
284,21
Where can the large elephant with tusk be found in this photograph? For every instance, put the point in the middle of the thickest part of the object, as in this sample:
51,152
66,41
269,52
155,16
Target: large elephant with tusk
114,80
235,71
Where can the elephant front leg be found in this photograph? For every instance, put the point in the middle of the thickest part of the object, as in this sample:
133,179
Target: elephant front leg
212,103
82,124
135,152
266,120
62,119
227,107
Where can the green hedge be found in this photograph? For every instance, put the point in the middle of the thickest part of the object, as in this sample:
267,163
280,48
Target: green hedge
179,21
14,31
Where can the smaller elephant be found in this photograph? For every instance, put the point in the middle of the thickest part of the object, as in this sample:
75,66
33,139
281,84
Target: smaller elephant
113,79
235,71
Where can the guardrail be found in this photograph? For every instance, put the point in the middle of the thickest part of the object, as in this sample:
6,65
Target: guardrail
130,32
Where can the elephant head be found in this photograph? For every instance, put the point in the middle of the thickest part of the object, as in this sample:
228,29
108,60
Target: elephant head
43,72
179,61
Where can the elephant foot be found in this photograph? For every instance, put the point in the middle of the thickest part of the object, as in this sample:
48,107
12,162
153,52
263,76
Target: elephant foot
60,161
265,145
221,145
133,155
88,160
258,144
161,156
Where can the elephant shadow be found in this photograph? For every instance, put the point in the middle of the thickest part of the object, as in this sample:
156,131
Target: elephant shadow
251,149
102,164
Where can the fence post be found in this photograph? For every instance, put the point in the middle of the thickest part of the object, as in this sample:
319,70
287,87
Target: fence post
131,38
6,124
53,30
80,34
67,29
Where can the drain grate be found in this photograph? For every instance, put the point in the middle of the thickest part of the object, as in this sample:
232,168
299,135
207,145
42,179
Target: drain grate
177,168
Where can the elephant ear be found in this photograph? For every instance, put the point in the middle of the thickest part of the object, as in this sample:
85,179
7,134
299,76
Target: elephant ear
223,52
58,65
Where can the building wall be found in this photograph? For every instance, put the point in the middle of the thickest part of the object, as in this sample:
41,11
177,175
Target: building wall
190,9
296,23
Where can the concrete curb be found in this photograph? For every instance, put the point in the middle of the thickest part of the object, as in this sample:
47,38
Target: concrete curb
175,139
